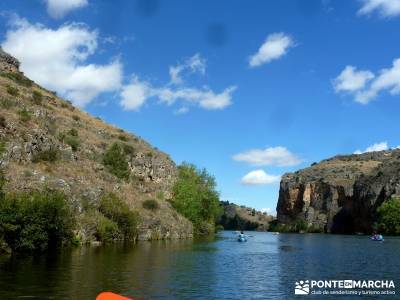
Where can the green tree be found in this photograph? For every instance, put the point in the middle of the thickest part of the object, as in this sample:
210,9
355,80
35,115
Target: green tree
389,216
196,198
35,221
115,161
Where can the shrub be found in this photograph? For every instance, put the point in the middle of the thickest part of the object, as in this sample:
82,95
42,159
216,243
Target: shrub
76,118
314,229
389,217
28,173
18,78
35,221
128,149
73,132
300,226
219,227
106,230
37,97
73,142
6,103
3,122
195,197
115,161
49,155
118,211
61,136
24,115
13,91
70,138
274,226
123,137
151,204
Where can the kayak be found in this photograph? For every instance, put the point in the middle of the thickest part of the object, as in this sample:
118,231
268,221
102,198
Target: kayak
377,238
242,239
111,296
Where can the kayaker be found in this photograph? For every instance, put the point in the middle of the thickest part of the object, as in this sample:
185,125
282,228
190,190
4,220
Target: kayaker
241,235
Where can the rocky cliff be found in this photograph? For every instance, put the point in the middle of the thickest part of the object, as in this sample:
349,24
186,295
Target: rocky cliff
237,217
340,194
45,142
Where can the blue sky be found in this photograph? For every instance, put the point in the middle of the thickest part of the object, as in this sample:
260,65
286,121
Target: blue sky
247,89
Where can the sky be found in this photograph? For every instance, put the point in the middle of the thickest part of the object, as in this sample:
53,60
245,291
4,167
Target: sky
248,90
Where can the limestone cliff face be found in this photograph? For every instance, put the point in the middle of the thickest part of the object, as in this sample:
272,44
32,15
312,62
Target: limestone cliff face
341,194
31,126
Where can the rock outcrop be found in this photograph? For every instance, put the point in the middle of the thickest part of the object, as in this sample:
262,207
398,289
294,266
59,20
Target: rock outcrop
340,194
45,142
237,217
8,62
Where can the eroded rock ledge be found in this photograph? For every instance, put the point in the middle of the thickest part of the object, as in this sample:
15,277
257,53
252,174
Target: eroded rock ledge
340,194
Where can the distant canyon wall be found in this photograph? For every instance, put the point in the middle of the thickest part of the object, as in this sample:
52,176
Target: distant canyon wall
340,194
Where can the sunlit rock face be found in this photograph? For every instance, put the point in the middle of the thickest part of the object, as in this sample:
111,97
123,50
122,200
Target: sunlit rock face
340,194
80,173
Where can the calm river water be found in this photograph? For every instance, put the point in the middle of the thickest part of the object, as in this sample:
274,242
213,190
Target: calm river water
265,267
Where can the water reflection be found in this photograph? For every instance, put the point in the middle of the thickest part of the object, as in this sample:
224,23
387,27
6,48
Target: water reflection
265,267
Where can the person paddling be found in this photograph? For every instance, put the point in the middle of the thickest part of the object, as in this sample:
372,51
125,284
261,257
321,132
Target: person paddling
242,237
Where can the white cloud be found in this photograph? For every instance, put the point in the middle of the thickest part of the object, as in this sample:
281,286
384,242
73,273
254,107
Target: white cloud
135,94
266,210
59,8
194,64
385,8
351,80
56,59
275,46
375,147
259,177
204,97
181,111
365,86
269,211
274,156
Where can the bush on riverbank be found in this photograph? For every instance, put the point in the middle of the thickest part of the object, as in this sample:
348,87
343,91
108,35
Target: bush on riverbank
111,221
195,197
35,221
118,212
274,226
300,226
389,217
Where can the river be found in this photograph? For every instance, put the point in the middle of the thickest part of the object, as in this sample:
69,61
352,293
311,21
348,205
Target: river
265,267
